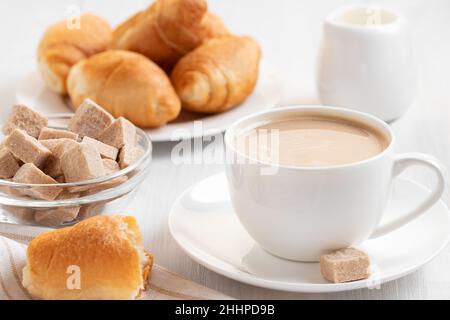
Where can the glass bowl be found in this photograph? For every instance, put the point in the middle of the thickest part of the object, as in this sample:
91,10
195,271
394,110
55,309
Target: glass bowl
106,194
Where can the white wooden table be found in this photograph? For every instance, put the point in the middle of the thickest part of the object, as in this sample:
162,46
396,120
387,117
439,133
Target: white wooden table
289,32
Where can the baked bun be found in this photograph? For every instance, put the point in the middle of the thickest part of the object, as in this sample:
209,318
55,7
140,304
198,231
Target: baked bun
213,26
167,30
107,252
218,75
61,47
126,84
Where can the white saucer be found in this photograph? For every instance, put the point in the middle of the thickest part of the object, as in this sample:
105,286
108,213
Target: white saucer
203,223
33,92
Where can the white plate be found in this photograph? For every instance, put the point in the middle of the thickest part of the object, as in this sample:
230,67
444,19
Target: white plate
203,223
33,92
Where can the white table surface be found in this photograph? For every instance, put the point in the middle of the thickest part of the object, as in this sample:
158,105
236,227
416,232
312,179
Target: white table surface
289,32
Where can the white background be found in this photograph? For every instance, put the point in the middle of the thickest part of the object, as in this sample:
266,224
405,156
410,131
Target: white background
289,32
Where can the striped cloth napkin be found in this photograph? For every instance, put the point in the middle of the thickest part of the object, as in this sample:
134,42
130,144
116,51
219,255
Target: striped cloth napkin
164,285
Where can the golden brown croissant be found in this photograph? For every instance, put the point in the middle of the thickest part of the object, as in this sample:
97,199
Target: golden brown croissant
99,258
126,84
218,75
213,26
167,30
61,47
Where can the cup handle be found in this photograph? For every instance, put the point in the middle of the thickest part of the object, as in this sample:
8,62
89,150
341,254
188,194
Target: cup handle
402,162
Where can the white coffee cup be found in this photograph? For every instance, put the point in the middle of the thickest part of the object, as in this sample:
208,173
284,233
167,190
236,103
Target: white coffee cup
365,62
299,213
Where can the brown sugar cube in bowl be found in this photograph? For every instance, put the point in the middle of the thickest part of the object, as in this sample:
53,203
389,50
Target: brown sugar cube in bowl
48,134
82,162
109,184
26,148
11,191
120,133
58,216
26,119
8,164
20,213
61,179
129,154
90,120
106,151
110,166
30,174
345,265
50,144
53,166
90,210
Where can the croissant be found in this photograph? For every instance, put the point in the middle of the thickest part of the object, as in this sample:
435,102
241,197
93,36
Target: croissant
213,26
61,47
167,30
218,75
126,84
99,258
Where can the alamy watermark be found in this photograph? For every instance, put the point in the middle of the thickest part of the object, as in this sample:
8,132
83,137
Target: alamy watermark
248,146
73,281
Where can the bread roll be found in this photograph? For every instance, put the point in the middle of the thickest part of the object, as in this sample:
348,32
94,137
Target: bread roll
167,30
61,47
218,75
126,84
213,26
105,251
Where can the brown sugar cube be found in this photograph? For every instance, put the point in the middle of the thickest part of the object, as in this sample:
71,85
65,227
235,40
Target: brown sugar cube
50,144
93,189
20,213
53,166
106,185
48,134
26,119
110,166
90,120
79,189
6,189
345,265
65,194
58,216
119,133
63,145
106,151
31,174
82,162
8,164
11,191
61,179
2,145
90,210
26,148
129,154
